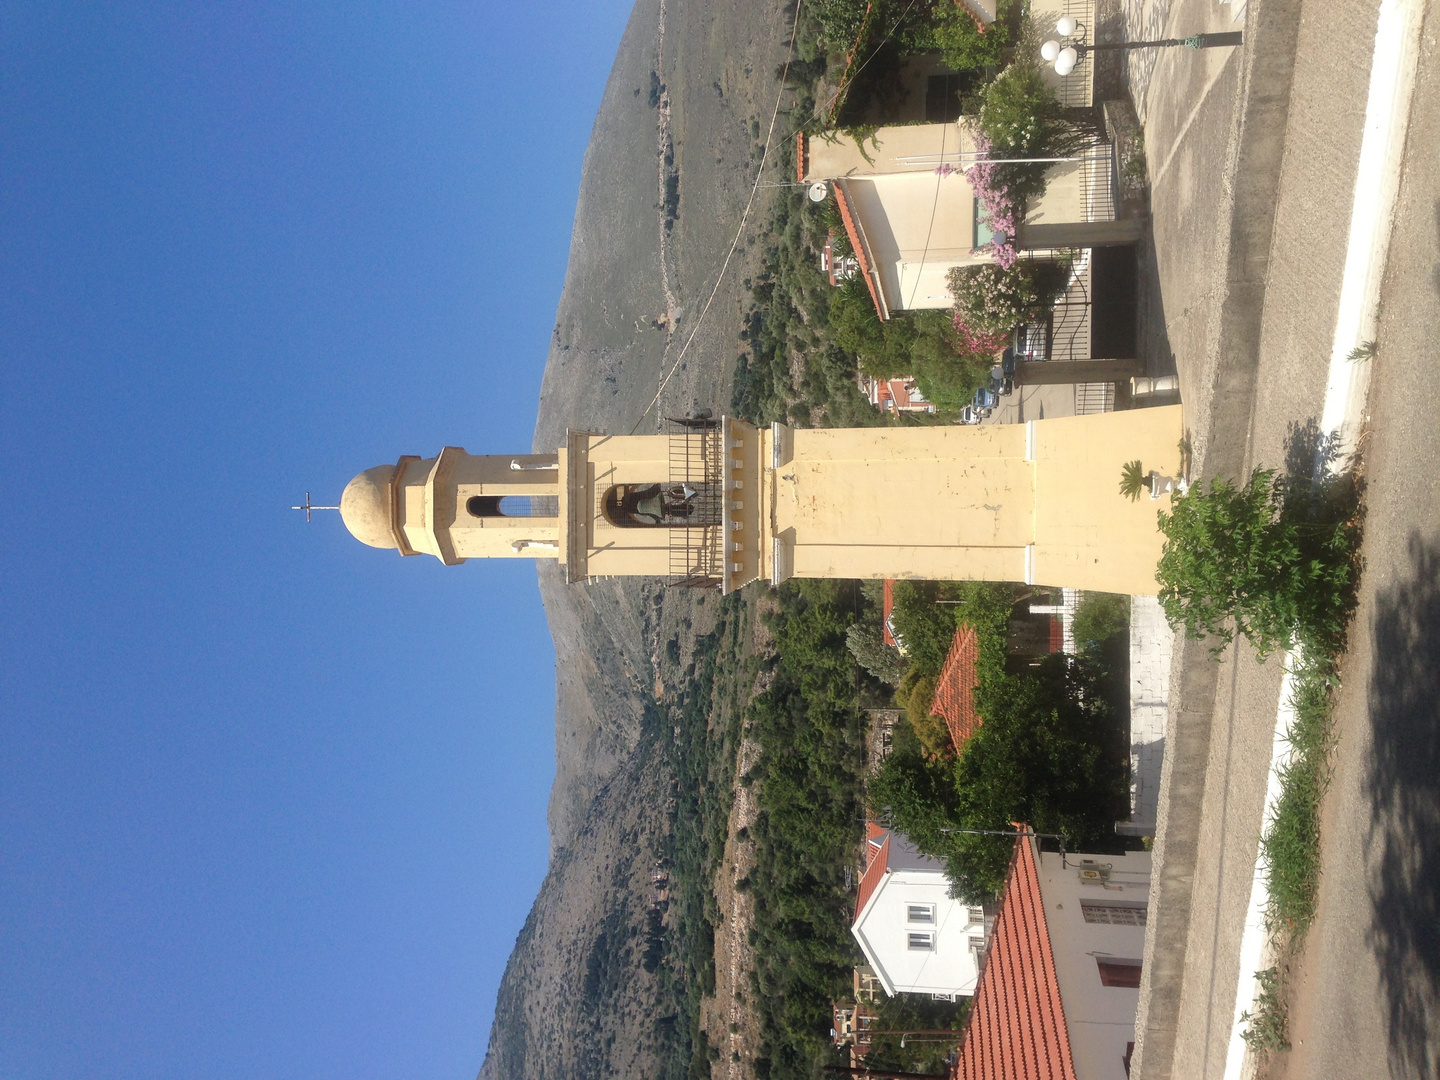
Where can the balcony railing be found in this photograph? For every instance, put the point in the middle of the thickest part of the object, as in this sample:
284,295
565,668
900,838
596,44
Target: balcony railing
697,464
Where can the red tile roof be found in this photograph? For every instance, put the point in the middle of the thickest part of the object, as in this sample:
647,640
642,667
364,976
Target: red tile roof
1016,1029
1057,635
955,688
877,863
800,162
852,230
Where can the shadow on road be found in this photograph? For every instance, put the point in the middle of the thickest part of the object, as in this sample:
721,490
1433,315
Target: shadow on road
1404,790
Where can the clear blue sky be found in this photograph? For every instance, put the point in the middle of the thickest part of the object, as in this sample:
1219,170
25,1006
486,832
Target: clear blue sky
273,803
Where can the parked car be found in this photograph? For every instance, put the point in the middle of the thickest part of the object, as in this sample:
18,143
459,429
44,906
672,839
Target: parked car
985,399
971,415
1001,383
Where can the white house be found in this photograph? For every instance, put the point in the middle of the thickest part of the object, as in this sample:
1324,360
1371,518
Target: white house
911,215
1059,988
915,935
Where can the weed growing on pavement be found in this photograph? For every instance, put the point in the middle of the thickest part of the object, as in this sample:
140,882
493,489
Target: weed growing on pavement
1267,1024
1291,843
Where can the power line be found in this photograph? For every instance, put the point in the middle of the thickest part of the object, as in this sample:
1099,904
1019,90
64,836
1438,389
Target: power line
745,217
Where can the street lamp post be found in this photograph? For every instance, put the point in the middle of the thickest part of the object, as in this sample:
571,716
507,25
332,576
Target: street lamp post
1066,54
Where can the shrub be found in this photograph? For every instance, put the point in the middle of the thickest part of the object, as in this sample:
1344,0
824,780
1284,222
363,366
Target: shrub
915,694
1099,617
1022,118
1237,560
934,736
1039,757
988,181
961,42
991,300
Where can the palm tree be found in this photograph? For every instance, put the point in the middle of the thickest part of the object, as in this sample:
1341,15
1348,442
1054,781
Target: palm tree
1133,480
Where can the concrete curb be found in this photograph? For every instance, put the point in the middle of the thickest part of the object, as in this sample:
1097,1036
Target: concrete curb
1257,151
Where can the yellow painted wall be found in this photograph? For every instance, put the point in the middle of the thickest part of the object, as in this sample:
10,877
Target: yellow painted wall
1036,502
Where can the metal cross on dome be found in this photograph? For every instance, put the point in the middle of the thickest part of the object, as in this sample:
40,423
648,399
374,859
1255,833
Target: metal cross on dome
308,506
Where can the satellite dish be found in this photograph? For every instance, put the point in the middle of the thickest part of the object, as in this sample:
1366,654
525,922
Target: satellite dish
819,190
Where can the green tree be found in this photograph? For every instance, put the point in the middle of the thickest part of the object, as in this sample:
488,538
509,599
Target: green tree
1022,118
1240,561
915,793
1099,617
963,44
867,644
1042,756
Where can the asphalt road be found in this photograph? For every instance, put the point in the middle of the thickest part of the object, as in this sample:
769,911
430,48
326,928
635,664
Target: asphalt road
1366,997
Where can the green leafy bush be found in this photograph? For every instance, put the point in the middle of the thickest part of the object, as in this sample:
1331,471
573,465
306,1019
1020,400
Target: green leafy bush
1040,756
1022,118
1099,617
990,300
961,42
1253,561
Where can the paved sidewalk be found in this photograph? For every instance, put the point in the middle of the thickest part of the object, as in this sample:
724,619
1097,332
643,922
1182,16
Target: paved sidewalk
1152,652
1252,161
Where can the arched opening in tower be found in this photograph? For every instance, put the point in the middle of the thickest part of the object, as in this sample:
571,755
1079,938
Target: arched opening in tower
493,506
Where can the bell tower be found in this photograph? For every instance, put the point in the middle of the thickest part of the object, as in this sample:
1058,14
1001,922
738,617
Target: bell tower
458,506
719,502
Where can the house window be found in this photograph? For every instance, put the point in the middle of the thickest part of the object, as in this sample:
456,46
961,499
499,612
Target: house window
921,940
920,913
1122,973
977,916
983,233
1113,912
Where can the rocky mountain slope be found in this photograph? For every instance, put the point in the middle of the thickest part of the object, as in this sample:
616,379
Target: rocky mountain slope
674,151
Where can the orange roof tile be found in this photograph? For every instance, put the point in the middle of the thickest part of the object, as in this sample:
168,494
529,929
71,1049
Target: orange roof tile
852,230
888,605
800,162
1016,1029
877,862
955,688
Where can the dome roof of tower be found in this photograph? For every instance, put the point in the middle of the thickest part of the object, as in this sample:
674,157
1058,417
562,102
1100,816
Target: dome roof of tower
365,507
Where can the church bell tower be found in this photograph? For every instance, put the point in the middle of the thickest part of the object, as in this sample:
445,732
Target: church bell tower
719,503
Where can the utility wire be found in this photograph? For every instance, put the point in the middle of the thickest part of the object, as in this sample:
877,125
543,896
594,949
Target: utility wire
940,175
739,232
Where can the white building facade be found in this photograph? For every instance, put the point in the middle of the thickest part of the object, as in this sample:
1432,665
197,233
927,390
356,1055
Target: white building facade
914,934
1060,987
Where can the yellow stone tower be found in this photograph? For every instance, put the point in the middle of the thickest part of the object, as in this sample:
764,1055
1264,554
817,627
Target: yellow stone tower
721,503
